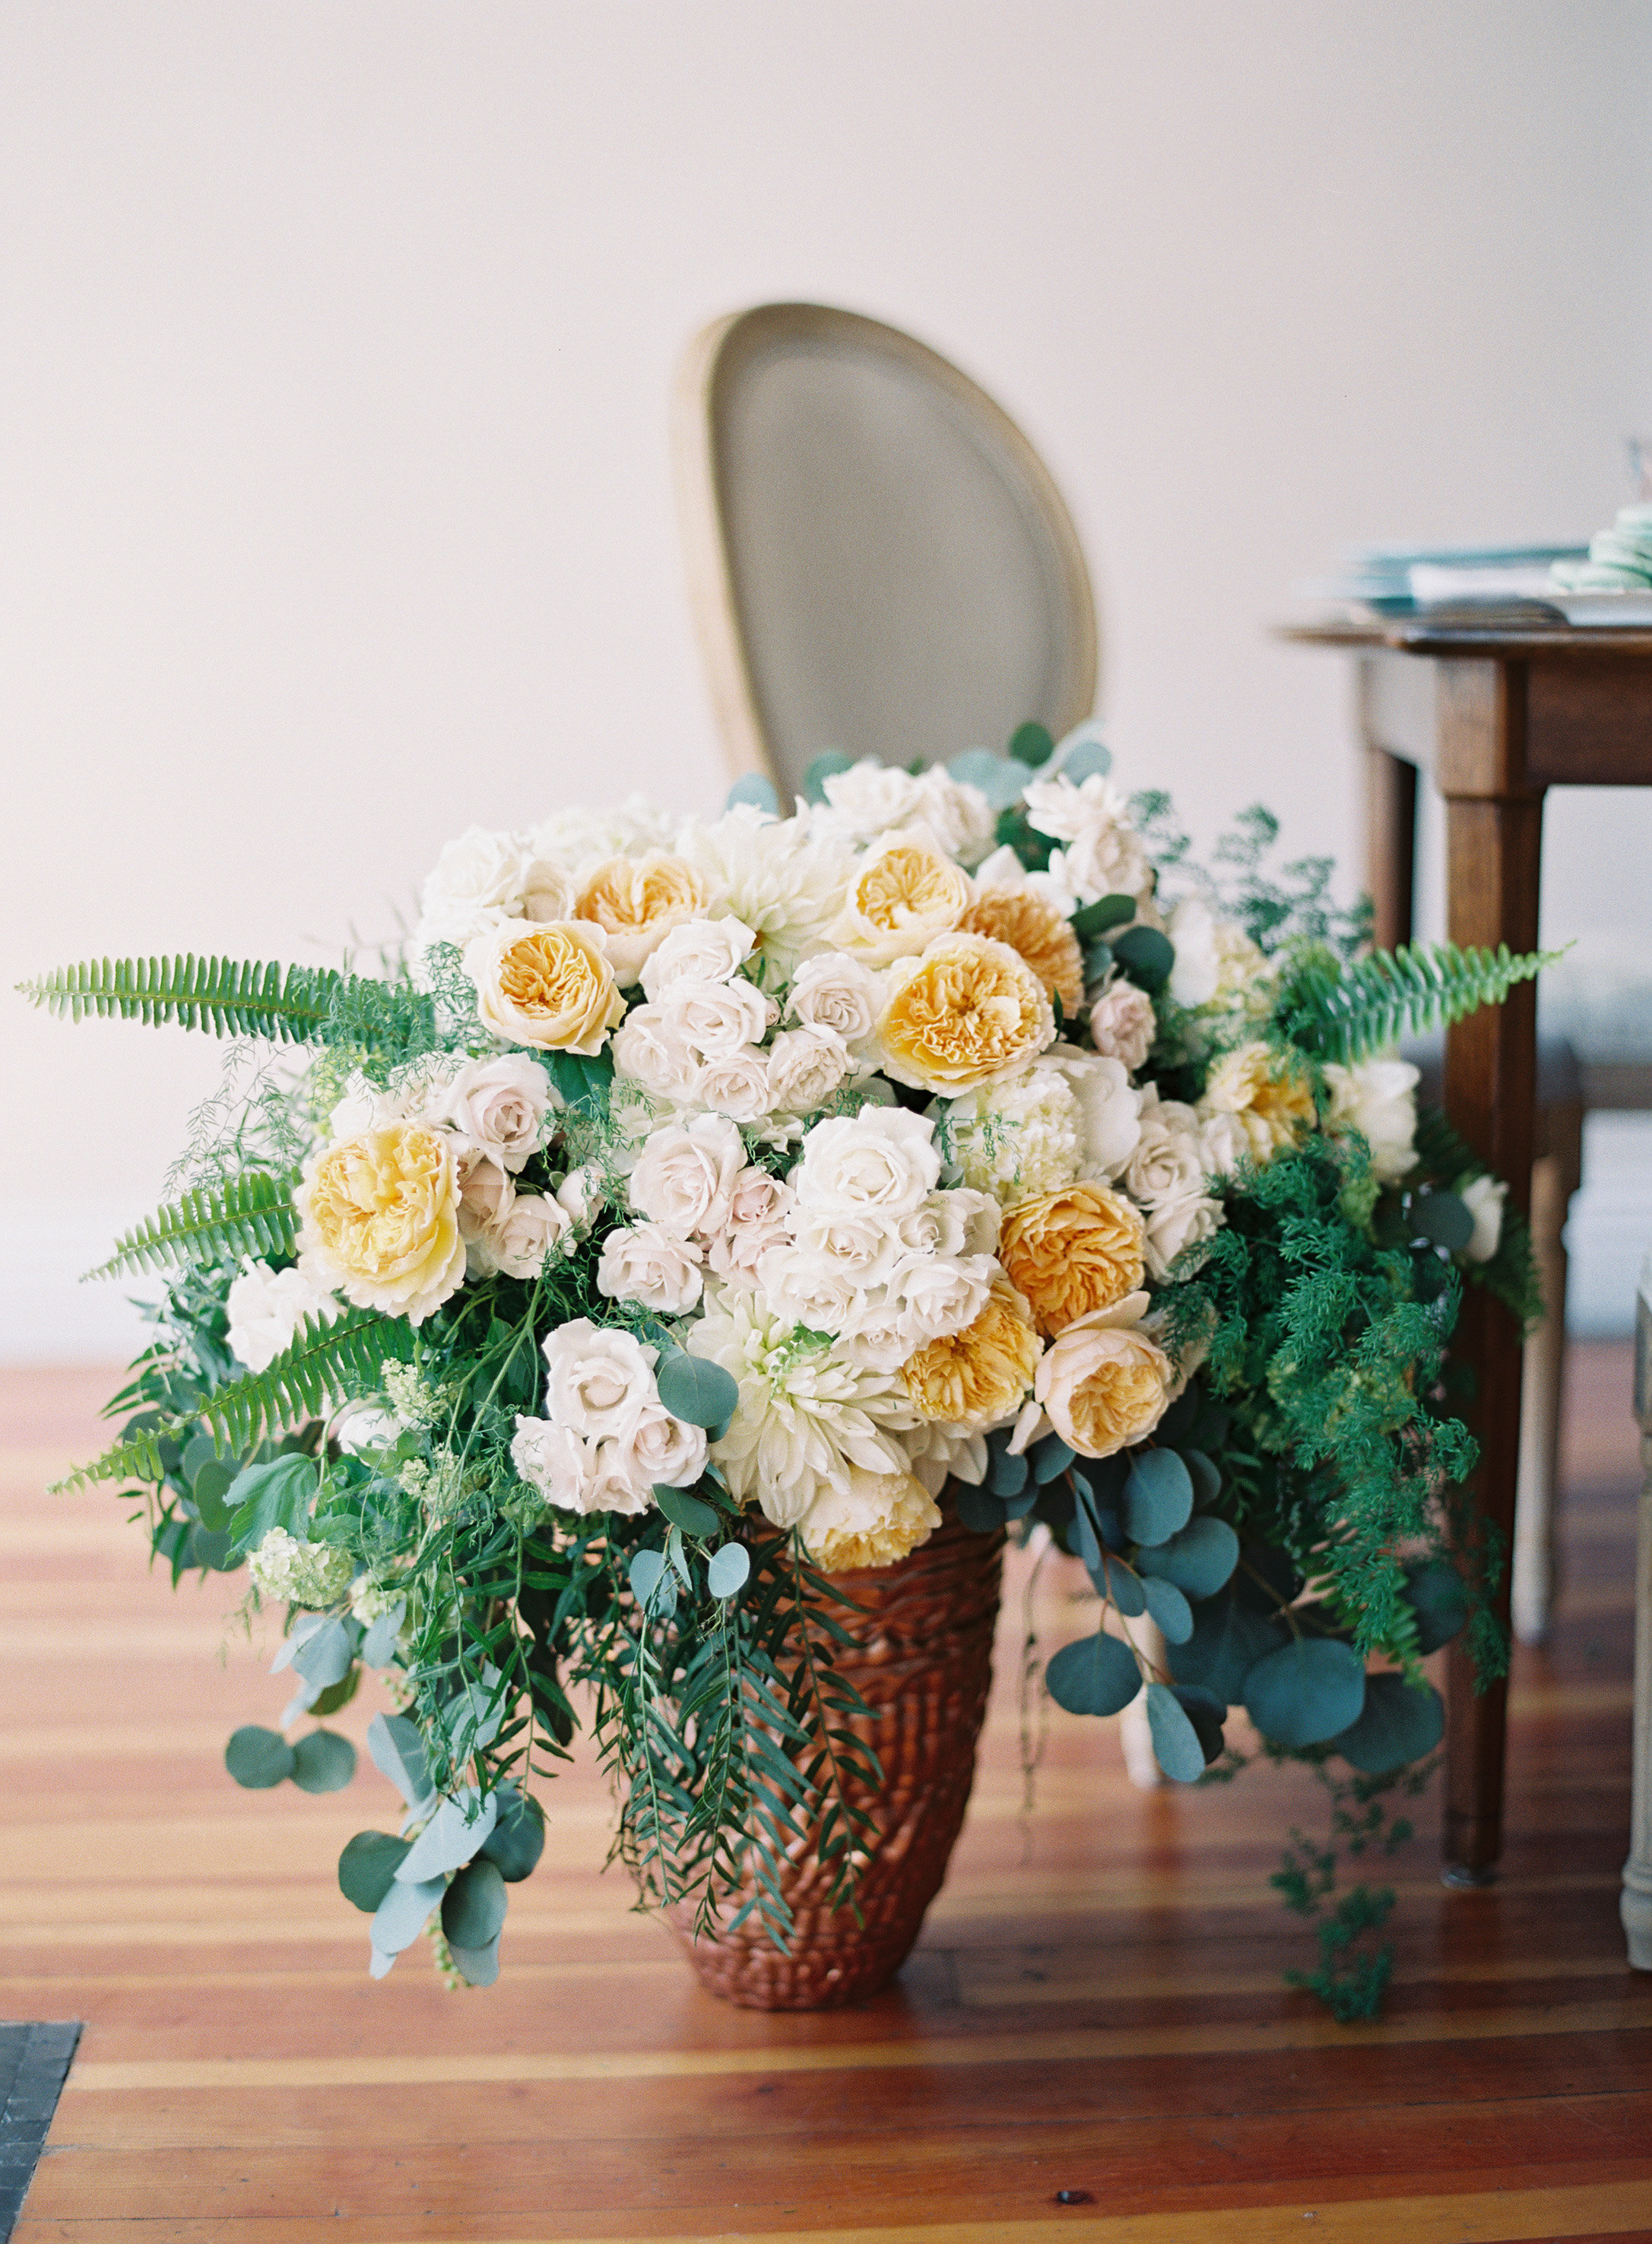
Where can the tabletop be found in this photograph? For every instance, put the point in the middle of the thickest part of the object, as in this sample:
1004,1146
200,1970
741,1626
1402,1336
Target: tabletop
1506,638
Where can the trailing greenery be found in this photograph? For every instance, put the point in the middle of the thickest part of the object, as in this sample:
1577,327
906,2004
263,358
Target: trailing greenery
250,1213
290,1004
1346,1011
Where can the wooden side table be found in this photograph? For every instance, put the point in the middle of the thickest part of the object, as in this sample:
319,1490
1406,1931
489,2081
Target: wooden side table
1496,714
1636,1902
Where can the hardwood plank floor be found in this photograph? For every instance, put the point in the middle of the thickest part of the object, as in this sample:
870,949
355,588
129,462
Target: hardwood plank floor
1096,2007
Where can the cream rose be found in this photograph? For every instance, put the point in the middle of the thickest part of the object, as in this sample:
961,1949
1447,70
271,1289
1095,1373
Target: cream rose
977,1377
837,993
597,1378
864,1249
547,986
805,1067
698,951
664,1451
902,894
617,1480
1103,1384
805,1290
969,1011
637,900
715,1018
1072,1252
878,1518
380,1221
1123,1025
686,1175
518,1244
1378,1098
500,1106
882,1161
881,1338
645,1262
647,1051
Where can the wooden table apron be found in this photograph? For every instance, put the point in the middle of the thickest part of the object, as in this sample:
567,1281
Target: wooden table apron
1496,716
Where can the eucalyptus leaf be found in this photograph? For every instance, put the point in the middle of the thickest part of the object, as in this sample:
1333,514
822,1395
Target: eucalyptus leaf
368,1866
1307,1692
1145,955
824,766
398,1752
456,1832
304,1626
1168,1608
645,1572
1435,1593
1032,744
999,779
324,1657
1200,1558
473,1908
1399,1722
1083,754
1158,1497
1228,1638
1097,1675
979,1509
691,1513
1089,1545
1175,1743
517,1839
1207,1479
473,1715
477,1967
378,1645
755,788
1093,920
1443,1218
1049,1458
729,1570
404,1912
1125,1588
210,1489
381,1962
336,1694
1006,1475
1207,1713
696,1390
257,1757
323,1761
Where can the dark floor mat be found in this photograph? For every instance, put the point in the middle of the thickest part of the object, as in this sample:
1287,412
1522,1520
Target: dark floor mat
34,2061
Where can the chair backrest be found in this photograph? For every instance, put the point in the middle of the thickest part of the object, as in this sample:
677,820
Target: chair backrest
878,560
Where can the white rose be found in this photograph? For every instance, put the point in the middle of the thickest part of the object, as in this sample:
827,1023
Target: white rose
646,1263
1223,1144
864,1248
519,1241
805,1067
582,1195
807,1290
1103,854
475,882
940,1226
648,1052
943,1294
1176,1223
1122,1025
686,1174
597,1378
1378,1098
1169,1162
500,1106
737,1085
1484,1200
836,992
715,1018
881,1338
617,1480
1109,1107
663,1451
266,1309
555,1461
884,1159
700,950
959,815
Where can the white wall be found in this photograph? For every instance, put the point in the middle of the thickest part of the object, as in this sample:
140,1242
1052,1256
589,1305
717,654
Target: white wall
334,483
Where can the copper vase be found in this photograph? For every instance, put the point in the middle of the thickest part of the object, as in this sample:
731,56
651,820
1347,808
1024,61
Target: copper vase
921,1659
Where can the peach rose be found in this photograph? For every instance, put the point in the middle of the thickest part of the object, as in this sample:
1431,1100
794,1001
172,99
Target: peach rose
637,900
1104,1384
978,1377
878,1518
905,893
1036,932
549,986
380,1220
969,1011
1072,1252
1267,1093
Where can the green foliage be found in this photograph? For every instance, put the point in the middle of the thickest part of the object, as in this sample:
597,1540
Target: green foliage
230,996
1512,1273
252,1213
1345,1011
1291,907
326,1364
135,1457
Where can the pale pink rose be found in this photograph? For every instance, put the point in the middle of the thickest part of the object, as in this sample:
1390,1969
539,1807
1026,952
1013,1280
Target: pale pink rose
716,1018
555,1461
617,1480
500,1106
737,1085
734,1253
647,1051
645,1262
798,1285
485,1192
701,950
1122,1024
686,1174
597,1378
519,1241
942,1295
664,1451
805,1067
835,991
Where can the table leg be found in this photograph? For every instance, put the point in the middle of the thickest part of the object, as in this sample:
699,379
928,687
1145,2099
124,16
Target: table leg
1494,851
1391,844
1635,1905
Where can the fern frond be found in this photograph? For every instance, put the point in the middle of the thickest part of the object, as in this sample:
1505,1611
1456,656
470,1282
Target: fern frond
230,996
327,1363
136,1457
251,1214
1345,1012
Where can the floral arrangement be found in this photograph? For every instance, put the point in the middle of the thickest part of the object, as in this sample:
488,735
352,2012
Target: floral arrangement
695,1208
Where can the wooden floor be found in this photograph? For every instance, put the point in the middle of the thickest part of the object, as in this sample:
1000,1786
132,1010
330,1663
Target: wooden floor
1096,2007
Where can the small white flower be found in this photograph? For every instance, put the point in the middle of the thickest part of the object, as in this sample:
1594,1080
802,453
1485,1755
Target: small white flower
686,1174
737,1085
836,992
715,1018
782,881
805,1066
1378,1098
883,1160
597,1378
699,951
266,1308
289,1571
1216,962
1484,1197
645,1262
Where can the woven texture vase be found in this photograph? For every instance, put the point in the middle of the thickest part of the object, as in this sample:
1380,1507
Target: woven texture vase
922,1660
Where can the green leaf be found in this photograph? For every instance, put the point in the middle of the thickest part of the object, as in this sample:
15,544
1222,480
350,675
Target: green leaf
323,1761
517,1839
1032,744
1175,1743
1399,1722
473,1908
1167,1607
1346,1011
694,1516
230,996
210,1489
337,1694
1305,1692
1435,1593
979,1509
1228,1638
582,1080
251,1215
477,1967
398,1753
1198,1559
278,1494
696,1390
404,1912
259,1758
378,1645
727,1574
1092,920
1158,1497
1005,1475
368,1866
1442,1218
755,788
1145,955
1097,1675
328,1363
824,766
135,1457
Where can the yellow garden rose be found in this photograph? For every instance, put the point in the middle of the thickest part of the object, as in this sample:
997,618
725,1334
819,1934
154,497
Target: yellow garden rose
905,892
878,1518
1036,932
637,900
969,1011
380,1220
1104,1384
551,987
1072,1252
975,1378
1268,1095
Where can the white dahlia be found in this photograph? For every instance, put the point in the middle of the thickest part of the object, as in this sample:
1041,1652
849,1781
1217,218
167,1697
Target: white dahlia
783,882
